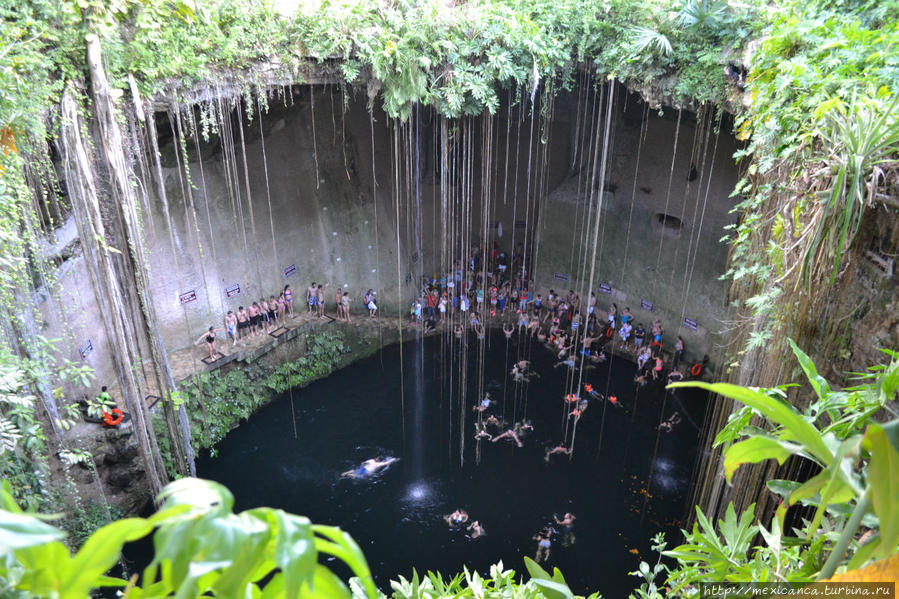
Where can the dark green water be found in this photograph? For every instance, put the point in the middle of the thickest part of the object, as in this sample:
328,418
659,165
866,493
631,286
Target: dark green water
396,517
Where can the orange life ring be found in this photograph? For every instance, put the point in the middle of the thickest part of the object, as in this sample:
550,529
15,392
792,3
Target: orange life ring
613,399
696,370
112,417
609,332
588,388
571,397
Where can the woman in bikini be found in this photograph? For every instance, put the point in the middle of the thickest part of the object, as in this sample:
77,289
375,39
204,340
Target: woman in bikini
209,337
288,300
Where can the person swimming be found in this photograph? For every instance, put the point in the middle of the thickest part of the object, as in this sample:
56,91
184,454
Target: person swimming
667,426
544,542
481,431
369,467
475,530
567,525
556,450
457,518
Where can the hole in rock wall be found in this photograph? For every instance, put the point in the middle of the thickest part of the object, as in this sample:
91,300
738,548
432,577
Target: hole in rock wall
668,224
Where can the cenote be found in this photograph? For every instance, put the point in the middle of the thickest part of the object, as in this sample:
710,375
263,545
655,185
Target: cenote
625,481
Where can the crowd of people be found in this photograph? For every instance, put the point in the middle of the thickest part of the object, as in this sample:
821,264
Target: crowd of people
265,315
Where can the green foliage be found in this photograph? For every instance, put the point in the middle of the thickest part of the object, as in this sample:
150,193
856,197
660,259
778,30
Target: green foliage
216,402
202,549
80,524
857,485
822,118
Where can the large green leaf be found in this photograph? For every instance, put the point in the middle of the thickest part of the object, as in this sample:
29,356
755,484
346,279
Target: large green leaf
324,585
754,450
19,530
818,382
294,550
883,481
100,552
774,410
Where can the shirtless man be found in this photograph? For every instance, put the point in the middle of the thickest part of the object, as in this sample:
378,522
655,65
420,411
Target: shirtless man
312,298
231,327
274,312
508,332
338,302
567,525
243,322
265,319
253,313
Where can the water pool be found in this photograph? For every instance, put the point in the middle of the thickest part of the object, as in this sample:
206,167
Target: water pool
291,453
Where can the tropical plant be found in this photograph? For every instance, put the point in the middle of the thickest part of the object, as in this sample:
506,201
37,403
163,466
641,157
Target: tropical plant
856,485
202,549
647,39
858,138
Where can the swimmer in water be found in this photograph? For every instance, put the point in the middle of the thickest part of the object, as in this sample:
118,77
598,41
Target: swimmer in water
544,542
493,421
568,361
457,518
508,332
567,524
485,403
481,432
369,468
476,530
592,392
556,450
578,411
668,425
515,433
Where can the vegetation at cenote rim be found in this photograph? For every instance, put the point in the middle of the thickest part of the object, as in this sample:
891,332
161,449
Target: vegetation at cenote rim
850,512
217,402
202,549
822,136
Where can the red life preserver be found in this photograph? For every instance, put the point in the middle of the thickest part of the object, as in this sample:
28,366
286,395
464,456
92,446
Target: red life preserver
609,332
588,388
112,417
571,397
696,370
613,399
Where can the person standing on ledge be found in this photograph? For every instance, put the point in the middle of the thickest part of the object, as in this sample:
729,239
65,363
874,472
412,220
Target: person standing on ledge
231,327
288,300
321,299
209,337
312,298
345,303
